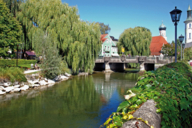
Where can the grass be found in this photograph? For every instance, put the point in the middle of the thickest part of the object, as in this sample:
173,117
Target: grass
12,74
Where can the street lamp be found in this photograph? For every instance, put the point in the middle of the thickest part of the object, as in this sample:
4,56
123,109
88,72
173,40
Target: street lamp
183,49
181,40
175,16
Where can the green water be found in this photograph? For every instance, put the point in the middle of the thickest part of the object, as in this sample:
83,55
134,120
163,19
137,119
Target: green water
81,102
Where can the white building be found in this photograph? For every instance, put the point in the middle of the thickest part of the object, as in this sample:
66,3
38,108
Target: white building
188,28
162,31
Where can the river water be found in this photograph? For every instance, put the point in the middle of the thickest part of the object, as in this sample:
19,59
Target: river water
81,102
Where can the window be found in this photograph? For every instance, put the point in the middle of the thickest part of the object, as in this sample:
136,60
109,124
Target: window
189,25
189,35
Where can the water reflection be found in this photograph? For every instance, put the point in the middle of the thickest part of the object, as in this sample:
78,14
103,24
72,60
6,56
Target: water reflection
82,102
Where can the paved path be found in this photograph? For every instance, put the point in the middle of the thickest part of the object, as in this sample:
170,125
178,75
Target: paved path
31,71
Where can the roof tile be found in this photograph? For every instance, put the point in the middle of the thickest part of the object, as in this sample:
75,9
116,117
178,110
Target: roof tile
156,44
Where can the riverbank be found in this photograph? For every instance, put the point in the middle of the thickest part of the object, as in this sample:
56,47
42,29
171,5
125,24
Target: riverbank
34,80
170,87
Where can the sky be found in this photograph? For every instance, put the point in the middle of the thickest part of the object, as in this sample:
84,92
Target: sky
124,14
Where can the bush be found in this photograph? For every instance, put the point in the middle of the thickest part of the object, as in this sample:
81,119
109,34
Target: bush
13,74
170,87
12,62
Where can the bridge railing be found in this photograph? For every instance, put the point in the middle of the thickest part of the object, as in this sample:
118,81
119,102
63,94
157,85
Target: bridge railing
115,57
151,58
131,57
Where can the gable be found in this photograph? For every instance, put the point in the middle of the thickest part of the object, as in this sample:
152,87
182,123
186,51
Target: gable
156,44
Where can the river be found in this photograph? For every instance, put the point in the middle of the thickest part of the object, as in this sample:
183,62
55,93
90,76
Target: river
81,102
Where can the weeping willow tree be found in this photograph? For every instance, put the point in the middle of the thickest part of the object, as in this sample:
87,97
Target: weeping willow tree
77,41
136,41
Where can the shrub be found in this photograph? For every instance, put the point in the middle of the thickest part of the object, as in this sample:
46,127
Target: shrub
170,88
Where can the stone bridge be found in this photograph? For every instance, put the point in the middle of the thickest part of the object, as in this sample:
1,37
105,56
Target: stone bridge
119,63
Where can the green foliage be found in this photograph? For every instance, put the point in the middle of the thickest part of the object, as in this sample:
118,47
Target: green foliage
170,87
77,41
188,53
136,41
105,29
64,67
13,74
168,49
50,62
13,5
12,62
10,31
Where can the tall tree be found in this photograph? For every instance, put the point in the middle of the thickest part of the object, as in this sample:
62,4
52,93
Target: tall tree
136,41
77,41
105,29
10,30
13,5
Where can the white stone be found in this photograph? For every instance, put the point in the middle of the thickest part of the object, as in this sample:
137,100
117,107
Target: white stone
25,87
67,74
33,82
62,77
16,89
51,82
6,84
8,89
35,85
1,92
16,86
57,78
42,82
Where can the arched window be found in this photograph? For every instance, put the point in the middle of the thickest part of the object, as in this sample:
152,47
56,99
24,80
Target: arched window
189,25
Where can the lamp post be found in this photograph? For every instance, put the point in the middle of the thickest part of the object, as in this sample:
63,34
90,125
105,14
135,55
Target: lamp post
17,55
181,40
183,49
175,16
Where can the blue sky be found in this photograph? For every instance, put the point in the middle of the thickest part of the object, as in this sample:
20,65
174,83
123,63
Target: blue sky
123,14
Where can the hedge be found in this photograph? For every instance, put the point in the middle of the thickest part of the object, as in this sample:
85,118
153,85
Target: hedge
13,62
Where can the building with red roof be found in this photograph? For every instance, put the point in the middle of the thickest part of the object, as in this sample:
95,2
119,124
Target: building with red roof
156,45
157,42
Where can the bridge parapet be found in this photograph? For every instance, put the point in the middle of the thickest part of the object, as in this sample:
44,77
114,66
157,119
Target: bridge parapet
135,59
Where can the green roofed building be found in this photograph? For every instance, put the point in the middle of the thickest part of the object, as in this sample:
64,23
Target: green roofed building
109,47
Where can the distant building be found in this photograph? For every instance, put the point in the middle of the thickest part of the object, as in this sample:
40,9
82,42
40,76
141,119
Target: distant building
162,31
109,47
29,54
156,45
157,42
188,28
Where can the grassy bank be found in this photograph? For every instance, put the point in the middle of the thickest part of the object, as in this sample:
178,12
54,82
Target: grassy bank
170,87
12,74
